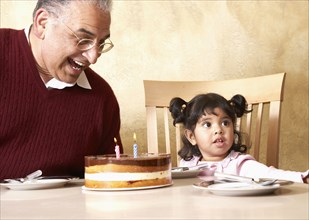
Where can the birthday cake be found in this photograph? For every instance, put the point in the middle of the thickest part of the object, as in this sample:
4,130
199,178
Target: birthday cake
146,170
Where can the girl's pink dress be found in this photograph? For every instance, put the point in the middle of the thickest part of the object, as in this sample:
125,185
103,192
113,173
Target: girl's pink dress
245,165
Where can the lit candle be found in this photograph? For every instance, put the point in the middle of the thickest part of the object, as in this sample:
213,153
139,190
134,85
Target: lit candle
117,150
135,146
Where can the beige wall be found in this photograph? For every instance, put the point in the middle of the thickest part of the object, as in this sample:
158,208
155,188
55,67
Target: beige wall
203,40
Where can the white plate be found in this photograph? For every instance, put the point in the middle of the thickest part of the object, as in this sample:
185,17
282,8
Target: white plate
185,174
125,189
238,189
38,184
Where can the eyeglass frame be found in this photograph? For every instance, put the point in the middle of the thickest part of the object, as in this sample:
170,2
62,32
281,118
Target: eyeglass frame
90,40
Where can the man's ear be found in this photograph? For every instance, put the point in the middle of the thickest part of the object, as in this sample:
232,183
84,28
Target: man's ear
190,136
39,23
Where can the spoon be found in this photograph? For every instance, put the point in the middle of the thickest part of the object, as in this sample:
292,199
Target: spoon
268,182
235,178
29,177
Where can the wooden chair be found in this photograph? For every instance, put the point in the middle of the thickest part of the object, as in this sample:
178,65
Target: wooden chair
263,94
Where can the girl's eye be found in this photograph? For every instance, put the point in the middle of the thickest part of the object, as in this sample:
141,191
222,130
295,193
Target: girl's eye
226,123
207,124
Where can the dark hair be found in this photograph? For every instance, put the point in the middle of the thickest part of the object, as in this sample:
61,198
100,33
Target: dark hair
189,113
55,6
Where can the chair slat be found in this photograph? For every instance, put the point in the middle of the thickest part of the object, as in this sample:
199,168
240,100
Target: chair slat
178,140
273,134
152,134
167,131
258,131
248,127
238,124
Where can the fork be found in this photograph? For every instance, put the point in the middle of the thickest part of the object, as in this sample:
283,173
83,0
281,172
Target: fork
29,177
231,177
197,167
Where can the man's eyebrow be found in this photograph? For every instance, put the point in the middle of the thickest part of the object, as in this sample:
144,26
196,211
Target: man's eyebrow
83,30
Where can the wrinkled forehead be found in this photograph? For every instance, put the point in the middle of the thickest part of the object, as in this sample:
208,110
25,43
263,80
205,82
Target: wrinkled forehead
84,10
82,14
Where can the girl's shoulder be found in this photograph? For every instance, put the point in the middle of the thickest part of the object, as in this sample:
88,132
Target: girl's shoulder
236,158
238,155
233,157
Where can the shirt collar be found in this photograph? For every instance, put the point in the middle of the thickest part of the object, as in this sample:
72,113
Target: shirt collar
81,81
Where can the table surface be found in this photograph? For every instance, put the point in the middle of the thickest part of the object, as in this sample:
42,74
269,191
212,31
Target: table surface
179,201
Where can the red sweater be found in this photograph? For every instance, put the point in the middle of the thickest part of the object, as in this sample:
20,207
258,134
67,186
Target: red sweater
51,130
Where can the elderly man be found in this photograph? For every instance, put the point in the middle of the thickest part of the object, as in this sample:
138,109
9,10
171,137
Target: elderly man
54,109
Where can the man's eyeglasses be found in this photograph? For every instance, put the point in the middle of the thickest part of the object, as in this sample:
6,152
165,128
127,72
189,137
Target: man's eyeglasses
87,44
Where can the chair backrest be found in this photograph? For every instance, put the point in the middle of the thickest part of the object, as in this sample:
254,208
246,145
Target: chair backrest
263,94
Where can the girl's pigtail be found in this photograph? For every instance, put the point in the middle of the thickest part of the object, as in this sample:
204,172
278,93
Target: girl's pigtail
177,108
239,105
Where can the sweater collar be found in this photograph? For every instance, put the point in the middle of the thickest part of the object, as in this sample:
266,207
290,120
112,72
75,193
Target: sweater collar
81,81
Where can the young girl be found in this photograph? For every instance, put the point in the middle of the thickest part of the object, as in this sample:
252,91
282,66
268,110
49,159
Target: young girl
210,137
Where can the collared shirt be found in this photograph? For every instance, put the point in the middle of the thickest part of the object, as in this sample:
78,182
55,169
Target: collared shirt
54,83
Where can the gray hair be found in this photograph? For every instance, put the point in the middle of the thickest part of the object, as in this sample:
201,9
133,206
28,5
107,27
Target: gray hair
55,6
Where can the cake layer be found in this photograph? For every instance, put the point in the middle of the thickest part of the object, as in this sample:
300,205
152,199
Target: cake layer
144,160
128,176
125,168
126,184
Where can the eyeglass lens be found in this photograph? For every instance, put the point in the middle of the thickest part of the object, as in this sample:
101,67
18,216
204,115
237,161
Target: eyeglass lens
86,44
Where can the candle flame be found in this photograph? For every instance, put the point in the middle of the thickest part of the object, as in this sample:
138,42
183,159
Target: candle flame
115,140
134,136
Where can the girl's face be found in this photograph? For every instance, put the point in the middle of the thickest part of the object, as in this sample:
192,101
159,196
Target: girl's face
214,135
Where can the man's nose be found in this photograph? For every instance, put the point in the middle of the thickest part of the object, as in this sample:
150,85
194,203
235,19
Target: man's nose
92,54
